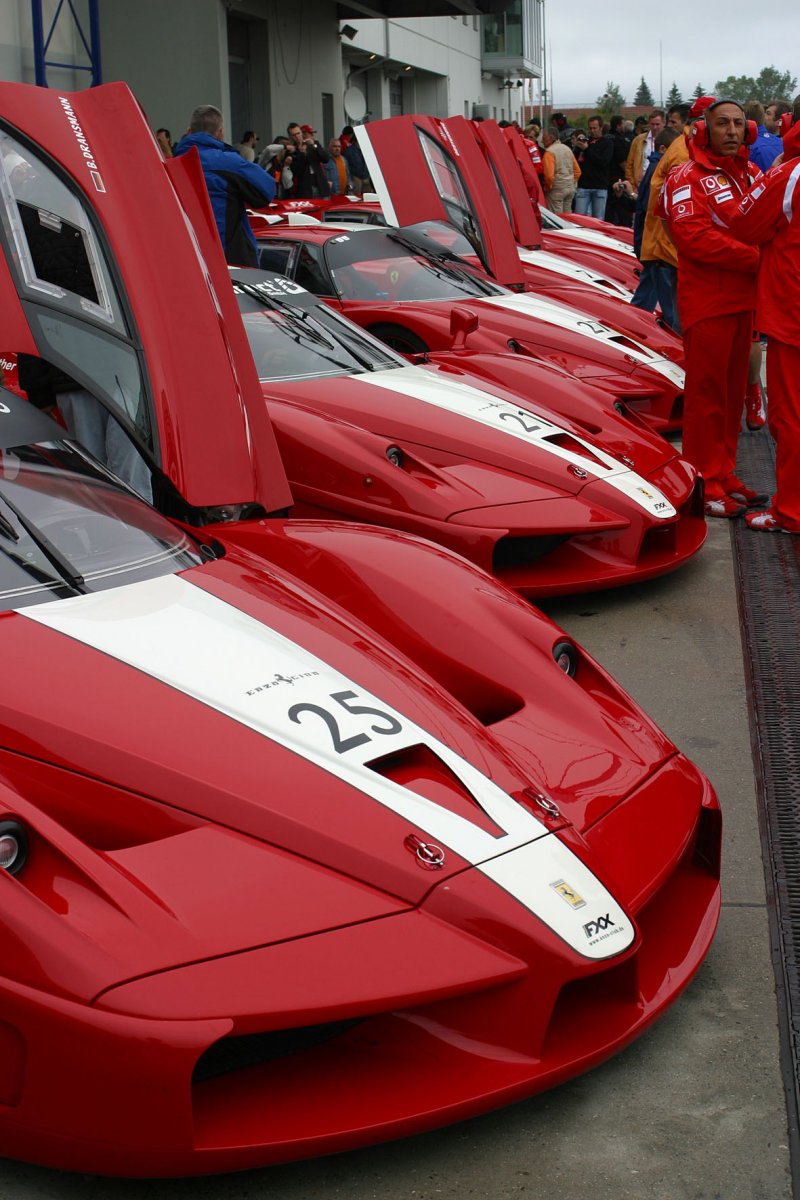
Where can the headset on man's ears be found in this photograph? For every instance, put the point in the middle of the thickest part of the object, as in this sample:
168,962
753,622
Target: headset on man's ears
786,123
700,129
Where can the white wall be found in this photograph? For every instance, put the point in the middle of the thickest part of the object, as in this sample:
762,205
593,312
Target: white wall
16,46
442,49
173,56
305,62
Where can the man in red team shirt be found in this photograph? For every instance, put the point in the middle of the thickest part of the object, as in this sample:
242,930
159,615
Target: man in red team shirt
769,216
716,299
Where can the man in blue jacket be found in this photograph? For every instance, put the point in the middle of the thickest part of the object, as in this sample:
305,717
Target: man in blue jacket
233,184
768,144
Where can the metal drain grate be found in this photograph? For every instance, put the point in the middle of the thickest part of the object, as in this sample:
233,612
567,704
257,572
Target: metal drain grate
768,587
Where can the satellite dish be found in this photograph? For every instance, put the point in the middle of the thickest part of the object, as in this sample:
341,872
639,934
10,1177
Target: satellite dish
355,104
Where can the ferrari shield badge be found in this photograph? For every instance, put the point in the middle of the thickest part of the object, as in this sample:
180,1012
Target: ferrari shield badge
568,893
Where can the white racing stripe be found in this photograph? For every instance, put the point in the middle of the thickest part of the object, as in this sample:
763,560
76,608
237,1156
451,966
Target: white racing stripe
594,237
462,400
572,270
205,648
570,318
376,174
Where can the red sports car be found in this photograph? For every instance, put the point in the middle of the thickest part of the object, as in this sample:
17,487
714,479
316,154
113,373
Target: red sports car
418,296
553,493
291,809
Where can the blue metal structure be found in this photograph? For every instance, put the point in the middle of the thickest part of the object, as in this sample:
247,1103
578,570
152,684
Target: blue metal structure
41,43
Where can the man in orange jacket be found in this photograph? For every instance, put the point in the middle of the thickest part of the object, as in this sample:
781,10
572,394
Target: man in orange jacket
769,216
716,299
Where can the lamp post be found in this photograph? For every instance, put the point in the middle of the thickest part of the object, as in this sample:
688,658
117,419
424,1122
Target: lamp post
508,84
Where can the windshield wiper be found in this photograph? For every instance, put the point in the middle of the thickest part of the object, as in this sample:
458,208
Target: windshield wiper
453,269
364,355
7,529
51,553
314,333
292,315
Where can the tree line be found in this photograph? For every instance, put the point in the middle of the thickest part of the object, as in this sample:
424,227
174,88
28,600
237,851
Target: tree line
769,84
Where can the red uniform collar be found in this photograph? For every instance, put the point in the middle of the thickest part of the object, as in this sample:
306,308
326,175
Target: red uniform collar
791,142
737,166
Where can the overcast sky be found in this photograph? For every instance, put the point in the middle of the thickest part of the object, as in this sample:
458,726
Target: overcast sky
589,44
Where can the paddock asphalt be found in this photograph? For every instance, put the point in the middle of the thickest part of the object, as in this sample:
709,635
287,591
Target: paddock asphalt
696,1109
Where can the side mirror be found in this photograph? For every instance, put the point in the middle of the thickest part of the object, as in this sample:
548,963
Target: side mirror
463,321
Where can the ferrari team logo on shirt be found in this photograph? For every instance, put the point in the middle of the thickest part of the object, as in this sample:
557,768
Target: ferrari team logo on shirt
722,197
683,193
682,210
710,183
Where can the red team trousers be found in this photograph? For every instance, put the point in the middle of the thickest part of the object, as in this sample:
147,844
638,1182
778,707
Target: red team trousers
783,391
712,405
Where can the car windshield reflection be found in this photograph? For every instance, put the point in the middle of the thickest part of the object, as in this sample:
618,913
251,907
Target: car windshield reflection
293,336
66,529
398,272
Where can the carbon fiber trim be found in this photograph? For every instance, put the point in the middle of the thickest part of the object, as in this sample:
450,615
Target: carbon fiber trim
768,588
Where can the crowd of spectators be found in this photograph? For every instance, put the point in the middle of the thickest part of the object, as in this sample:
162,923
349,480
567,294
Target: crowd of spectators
305,169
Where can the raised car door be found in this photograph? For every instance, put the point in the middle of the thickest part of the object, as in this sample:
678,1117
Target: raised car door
424,169
112,271
506,173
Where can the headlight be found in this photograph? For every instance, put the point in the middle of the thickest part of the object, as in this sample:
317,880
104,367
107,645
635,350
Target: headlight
566,657
13,847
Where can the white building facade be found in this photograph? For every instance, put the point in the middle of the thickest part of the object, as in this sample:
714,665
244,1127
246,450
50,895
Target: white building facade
268,62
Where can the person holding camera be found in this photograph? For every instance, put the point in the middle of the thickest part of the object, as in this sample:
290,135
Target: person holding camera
594,158
303,174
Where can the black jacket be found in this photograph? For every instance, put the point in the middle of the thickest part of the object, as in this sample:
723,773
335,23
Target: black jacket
595,163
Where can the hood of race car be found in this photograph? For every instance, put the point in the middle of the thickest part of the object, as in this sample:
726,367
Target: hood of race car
241,765
556,264
455,424
593,339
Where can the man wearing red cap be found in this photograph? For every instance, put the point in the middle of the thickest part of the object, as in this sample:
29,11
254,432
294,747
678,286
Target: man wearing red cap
769,216
716,299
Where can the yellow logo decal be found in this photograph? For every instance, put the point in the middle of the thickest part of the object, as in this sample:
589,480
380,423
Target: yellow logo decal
568,893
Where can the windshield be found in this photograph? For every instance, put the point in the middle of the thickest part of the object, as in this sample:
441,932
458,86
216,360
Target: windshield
294,337
553,220
66,530
392,267
446,236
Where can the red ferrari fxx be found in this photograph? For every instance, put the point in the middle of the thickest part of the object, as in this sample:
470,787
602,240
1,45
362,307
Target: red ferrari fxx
291,810
418,296
522,488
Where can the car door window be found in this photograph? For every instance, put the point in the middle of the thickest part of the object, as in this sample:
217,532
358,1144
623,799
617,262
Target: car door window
311,272
58,256
452,192
276,256
64,277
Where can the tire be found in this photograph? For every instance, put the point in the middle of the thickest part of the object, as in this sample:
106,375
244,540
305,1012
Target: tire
399,339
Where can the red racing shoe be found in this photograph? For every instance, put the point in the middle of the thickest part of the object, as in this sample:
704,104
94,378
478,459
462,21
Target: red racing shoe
743,494
723,506
755,411
767,522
